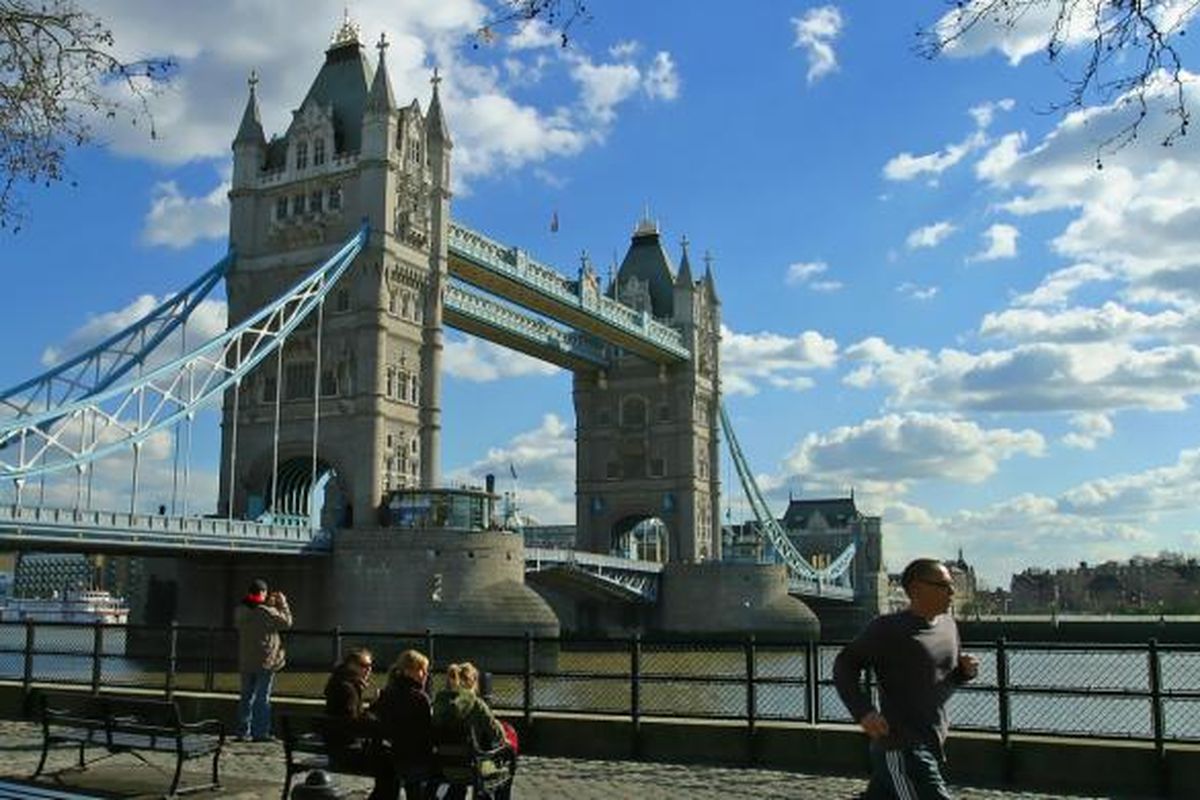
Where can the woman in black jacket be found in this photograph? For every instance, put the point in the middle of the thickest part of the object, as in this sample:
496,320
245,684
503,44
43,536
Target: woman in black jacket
404,718
351,725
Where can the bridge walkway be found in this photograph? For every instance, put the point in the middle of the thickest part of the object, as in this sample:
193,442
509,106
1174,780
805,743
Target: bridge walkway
244,766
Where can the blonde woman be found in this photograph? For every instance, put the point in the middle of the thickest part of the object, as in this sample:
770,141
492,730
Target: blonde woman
459,712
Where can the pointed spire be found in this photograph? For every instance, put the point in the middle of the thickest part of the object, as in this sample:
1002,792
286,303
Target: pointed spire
684,278
709,283
251,129
435,122
347,34
380,97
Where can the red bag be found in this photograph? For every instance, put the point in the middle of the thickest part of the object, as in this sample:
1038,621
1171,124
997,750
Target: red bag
510,736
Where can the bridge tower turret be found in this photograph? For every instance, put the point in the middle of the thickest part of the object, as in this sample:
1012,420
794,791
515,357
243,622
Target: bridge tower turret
349,154
648,482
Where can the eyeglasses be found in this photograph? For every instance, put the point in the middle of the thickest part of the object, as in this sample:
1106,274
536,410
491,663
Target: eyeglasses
948,585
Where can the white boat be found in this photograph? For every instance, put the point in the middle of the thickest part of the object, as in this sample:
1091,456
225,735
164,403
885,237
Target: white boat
79,606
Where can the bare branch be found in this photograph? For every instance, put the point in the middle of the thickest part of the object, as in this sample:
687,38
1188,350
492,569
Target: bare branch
57,72
560,15
1126,47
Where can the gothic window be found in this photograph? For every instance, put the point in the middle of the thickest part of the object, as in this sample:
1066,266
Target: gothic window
268,389
658,467
633,412
405,380
612,471
314,201
341,301
301,155
281,207
335,198
405,307
391,302
664,412
603,417
390,389
329,383
297,204
318,152
298,380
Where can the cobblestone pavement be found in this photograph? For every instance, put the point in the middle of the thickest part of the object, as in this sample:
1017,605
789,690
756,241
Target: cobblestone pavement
255,771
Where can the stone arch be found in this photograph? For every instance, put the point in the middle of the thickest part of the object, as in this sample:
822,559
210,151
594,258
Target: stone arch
634,411
323,502
641,536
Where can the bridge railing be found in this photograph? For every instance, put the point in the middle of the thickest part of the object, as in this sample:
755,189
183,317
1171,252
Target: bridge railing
518,265
1146,692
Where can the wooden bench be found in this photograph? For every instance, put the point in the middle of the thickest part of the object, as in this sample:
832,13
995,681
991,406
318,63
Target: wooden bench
133,725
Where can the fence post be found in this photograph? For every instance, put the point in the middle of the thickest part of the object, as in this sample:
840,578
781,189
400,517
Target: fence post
1156,717
751,698
812,683
211,646
1003,710
97,649
27,678
635,692
172,658
527,699
335,644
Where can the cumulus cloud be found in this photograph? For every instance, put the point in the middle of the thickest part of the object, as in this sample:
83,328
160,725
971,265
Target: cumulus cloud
1058,287
1099,377
480,361
899,449
747,360
1108,322
207,321
816,33
544,459
929,235
1000,241
1088,430
216,47
177,221
984,113
1138,218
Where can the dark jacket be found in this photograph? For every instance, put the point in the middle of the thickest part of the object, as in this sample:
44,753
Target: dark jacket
458,713
348,719
404,720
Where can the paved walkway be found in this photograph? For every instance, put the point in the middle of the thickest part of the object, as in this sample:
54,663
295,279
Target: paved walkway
256,770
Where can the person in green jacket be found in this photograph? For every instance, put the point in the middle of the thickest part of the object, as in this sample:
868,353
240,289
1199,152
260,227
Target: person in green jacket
459,714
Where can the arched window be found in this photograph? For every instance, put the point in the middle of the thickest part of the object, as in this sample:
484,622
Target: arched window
301,155
633,412
318,152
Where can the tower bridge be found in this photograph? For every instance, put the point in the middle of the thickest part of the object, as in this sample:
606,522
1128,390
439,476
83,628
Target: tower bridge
344,268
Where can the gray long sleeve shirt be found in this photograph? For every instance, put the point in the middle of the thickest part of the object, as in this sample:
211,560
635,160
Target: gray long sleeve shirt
916,664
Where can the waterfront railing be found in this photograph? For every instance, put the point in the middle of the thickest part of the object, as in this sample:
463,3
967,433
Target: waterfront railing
1144,692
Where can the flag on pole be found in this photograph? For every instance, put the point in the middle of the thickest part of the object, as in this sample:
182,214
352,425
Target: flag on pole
512,470
554,223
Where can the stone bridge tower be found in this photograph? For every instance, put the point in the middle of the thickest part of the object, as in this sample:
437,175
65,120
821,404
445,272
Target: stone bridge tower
647,477
349,155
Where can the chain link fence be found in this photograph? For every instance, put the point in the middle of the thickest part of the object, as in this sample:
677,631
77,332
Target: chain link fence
1143,692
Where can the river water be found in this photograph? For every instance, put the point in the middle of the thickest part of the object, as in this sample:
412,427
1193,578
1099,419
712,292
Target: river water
1073,691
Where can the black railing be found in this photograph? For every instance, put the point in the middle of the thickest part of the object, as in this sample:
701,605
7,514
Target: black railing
1147,692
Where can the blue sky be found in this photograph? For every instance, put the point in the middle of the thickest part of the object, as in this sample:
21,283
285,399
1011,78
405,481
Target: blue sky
930,292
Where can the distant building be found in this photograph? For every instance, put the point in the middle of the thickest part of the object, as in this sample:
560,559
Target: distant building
45,574
965,587
1166,583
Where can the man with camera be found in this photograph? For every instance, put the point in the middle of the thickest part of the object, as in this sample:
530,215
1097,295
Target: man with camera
259,617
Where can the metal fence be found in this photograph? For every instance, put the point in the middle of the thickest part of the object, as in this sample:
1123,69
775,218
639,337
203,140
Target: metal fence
1147,692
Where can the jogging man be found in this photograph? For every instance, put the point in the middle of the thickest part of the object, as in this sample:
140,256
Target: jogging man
918,663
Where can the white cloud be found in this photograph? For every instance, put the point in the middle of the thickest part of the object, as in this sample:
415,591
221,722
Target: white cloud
1057,288
480,361
802,272
816,32
748,359
915,292
1001,242
207,321
826,286
899,449
177,221
196,115
1139,495
544,459
929,235
906,166
662,79
1110,322
984,113
1088,430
